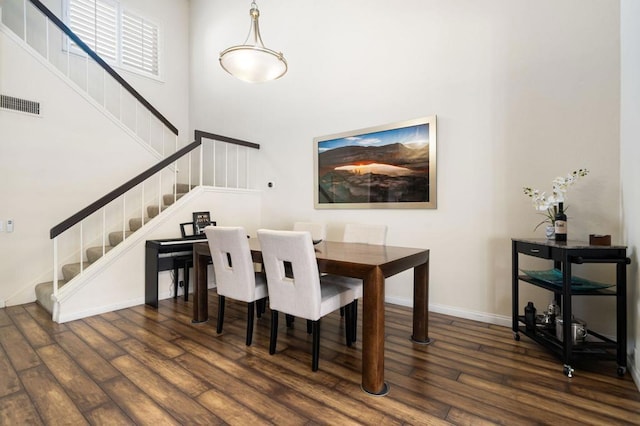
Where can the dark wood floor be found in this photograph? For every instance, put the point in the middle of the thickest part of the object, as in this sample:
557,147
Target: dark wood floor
147,366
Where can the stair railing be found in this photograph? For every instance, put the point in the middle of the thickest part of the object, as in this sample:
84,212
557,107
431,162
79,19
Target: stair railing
51,38
222,162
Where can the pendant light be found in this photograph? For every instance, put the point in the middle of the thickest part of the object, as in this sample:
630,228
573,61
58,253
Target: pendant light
253,62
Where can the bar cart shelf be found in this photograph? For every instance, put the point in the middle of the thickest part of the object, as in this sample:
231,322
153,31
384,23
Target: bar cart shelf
564,255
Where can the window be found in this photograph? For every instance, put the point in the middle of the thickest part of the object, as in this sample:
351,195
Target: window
119,36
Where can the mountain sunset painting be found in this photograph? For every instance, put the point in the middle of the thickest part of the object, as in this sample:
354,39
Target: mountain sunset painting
378,166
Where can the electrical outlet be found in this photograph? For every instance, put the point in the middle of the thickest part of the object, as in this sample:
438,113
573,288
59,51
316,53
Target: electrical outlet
9,225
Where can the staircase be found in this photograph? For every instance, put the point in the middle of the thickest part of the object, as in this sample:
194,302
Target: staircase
44,291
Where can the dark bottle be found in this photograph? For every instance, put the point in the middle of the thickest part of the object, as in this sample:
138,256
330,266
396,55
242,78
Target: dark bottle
530,317
561,224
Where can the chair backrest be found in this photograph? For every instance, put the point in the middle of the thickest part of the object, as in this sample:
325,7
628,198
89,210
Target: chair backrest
300,294
232,264
318,230
367,234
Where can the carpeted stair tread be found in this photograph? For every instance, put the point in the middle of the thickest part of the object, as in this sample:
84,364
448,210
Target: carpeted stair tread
183,187
115,238
167,199
44,292
136,223
72,269
152,211
95,253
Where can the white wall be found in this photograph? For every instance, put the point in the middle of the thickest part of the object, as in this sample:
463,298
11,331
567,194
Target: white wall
630,154
53,165
524,91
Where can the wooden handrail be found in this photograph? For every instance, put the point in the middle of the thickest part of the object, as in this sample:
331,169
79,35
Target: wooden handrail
64,28
199,134
97,205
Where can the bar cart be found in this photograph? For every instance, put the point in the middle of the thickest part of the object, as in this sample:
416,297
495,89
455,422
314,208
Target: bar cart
564,254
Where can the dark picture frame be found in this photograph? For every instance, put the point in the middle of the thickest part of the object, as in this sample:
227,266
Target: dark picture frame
200,221
391,166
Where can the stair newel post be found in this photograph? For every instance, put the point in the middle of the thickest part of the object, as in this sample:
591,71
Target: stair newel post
201,162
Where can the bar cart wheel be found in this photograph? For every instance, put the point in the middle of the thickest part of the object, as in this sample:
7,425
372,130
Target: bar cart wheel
621,370
568,370
516,336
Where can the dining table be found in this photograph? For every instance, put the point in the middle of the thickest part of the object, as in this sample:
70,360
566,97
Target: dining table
371,263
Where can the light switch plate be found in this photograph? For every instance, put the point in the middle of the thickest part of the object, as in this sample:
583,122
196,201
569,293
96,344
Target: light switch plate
9,225
1,225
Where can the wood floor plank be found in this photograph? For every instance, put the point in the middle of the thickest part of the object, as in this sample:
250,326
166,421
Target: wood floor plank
43,318
29,328
168,369
9,381
179,405
249,386
464,418
150,339
4,318
579,412
17,348
95,365
108,414
49,397
231,411
84,392
95,340
106,328
136,404
18,409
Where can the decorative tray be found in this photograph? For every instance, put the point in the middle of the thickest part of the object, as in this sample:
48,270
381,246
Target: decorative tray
554,277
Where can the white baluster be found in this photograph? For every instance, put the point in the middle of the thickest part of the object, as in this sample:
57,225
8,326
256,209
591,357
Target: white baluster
55,266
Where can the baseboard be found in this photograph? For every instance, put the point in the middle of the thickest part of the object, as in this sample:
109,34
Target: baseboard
2,302
485,317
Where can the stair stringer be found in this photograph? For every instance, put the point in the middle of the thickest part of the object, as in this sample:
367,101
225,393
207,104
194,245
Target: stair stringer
117,280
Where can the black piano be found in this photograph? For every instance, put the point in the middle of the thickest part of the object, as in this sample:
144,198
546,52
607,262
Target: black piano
165,255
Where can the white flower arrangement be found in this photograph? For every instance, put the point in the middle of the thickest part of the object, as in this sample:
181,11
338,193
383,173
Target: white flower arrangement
548,205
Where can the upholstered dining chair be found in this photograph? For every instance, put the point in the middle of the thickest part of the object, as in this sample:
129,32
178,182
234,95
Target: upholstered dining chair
301,292
318,230
234,273
358,233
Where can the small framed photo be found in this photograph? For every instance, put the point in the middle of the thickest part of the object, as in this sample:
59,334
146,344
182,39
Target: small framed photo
391,166
200,221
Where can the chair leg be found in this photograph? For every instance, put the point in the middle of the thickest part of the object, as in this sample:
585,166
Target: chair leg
315,354
250,312
309,326
348,324
354,318
186,281
220,314
176,281
289,319
274,332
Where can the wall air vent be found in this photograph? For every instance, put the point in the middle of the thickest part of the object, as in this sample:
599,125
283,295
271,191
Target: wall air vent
17,104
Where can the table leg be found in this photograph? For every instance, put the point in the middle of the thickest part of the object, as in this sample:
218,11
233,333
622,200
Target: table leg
200,295
421,304
373,334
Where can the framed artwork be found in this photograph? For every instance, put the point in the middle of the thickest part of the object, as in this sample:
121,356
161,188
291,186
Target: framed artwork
200,221
385,167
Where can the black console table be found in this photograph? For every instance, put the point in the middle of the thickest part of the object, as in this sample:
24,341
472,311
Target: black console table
165,255
564,254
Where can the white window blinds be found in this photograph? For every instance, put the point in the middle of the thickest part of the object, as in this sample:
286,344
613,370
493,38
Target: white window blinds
139,43
120,37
